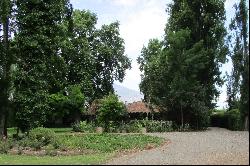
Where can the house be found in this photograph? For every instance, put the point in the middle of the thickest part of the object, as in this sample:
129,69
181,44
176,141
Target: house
141,110
136,110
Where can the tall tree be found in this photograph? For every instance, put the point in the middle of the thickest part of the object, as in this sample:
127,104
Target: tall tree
169,79
187,64
41,67
110,60
78,51
232,92
205,19
152,69
5,64
94,57
240,58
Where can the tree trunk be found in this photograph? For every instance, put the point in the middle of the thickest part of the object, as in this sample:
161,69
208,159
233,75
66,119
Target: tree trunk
182,125
5,132
77,117
246,123
2,121
6,68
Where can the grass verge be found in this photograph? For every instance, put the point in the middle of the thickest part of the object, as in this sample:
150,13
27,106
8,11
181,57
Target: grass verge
6,159
94,148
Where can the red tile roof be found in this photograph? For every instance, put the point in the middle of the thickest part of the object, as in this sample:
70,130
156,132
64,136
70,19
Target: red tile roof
135,107
139,106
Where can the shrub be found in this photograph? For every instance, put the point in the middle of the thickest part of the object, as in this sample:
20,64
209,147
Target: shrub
110,109
69,102
83,126
123,127
218,119
230,119
234,119
117,127
158,126
32,109
45,135
75,99
186,127
57,103
135,126
6,145
112,127
38,137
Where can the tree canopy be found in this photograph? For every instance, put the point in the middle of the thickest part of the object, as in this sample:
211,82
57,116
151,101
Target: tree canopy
238,79
181,72
60,56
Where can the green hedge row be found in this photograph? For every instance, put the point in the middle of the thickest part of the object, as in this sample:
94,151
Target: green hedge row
133,126
227,119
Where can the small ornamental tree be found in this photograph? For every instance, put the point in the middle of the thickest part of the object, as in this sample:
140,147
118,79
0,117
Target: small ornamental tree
110,109
57,102
75,102
70,103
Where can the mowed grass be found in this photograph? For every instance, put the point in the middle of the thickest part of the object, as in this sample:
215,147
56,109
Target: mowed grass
98,148
57,160
56,130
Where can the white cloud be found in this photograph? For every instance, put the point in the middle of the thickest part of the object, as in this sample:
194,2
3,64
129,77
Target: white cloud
137,28
126,2
142,26
229,4
74,1
133,78
222,101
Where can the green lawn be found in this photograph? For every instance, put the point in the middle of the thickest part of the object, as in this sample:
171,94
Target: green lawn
96,147
48,160
56,130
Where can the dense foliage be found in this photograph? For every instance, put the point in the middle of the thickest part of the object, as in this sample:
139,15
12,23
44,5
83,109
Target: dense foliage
55,62
38,138
84,126
131,126
181,72
110,109
40,66
60,61
238,80
6,60
230,119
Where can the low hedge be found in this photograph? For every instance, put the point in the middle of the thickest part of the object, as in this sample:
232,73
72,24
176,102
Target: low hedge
234,121
230,119
218,119
133,126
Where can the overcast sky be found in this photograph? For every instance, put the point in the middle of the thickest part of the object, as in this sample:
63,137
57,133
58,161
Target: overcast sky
140,20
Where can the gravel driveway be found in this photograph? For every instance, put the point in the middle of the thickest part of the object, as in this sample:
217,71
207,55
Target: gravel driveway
214,146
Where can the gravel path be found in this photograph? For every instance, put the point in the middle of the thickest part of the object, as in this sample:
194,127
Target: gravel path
214,146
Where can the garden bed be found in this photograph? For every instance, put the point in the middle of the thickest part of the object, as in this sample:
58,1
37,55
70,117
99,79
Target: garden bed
75,144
